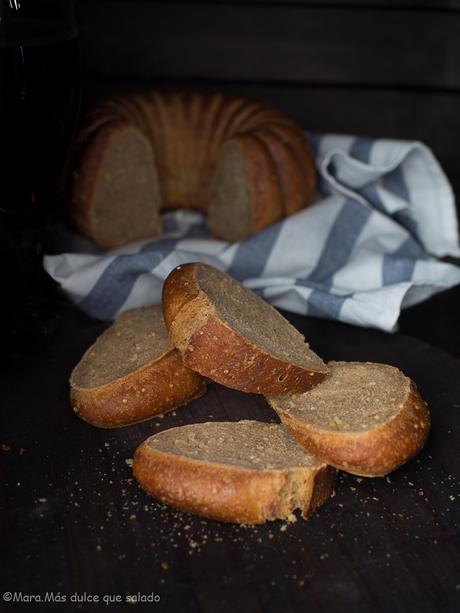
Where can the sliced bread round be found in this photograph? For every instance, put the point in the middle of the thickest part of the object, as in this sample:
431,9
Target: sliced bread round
229,334
132,373
243,472
365,418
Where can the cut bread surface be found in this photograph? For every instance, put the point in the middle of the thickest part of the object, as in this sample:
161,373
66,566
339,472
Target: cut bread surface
365,418
254,318
136,337
229,205
245,444
105,204
242,472
356,397
132,373
229,334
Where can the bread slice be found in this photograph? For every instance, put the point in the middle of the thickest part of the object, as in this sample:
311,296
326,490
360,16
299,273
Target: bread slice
132,373
245,472
365,418
244,195
229,334
116,197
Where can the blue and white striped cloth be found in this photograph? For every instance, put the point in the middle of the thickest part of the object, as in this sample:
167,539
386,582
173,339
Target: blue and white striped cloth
365,250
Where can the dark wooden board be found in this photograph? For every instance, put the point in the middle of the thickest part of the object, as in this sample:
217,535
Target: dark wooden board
72,519
288,43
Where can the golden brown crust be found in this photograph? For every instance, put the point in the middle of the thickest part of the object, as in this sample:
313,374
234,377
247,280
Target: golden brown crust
291,182
195,141
227,493
178,290
216,351
295,138
158,387
372,453
263,117
159,127
220,125
240,117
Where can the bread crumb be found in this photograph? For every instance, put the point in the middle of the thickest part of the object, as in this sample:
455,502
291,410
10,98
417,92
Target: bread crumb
129,461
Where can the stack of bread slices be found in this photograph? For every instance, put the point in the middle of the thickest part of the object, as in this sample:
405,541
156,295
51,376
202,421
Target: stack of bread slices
363,418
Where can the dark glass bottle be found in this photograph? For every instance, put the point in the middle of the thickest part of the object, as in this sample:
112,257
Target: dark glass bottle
39,103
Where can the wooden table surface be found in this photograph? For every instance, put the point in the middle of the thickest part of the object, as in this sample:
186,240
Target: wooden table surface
76,525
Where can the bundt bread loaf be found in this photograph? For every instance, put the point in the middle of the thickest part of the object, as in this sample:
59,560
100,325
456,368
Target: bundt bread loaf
246,164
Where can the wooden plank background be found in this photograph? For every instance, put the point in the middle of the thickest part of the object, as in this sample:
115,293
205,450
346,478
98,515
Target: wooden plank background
370,67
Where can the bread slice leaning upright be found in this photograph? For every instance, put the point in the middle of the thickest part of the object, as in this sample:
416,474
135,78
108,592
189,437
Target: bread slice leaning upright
243,472
366,418
132,373
229,334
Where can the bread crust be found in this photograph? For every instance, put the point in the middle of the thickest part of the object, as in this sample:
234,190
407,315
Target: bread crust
296,139
263,185
372,453
291,182
160,386
222,120
228,493
216,351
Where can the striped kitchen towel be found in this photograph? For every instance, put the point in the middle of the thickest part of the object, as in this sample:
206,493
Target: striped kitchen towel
366,249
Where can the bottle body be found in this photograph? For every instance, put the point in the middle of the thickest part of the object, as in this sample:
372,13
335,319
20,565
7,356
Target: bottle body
39,103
